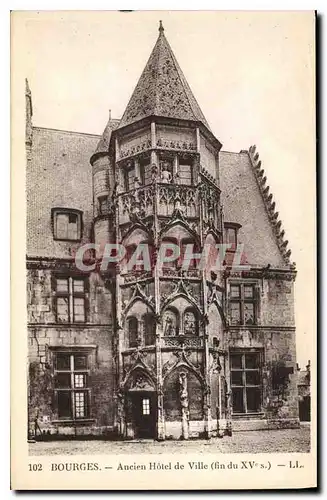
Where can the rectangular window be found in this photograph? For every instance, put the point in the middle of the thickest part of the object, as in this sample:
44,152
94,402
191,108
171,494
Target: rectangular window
246,381
103,205
145,171
129,177
243,304
146,406
67,224
71,385
231,237
70,298
185,172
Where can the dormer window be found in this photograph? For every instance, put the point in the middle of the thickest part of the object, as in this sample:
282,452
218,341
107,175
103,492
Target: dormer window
231,234
67,224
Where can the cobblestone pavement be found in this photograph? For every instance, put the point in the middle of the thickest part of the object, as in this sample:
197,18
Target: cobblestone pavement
285,440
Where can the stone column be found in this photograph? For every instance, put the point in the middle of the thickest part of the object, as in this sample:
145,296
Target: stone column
197,132
183,396
153,135
161,435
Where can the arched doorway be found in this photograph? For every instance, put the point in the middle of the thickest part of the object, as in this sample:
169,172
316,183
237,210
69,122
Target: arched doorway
140,406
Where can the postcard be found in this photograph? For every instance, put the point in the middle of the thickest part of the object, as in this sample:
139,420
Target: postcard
163,250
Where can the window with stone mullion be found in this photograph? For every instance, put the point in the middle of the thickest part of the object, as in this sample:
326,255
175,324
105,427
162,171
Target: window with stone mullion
71,386
243,303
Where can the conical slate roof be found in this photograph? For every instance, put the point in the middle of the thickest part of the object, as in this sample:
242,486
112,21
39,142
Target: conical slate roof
103,144
162,89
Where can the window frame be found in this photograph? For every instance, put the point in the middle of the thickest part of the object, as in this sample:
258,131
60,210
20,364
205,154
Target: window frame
103,200
186,162
126,169
146,406
146,334
196,317
134,343
70,295
67,211
72,389
245,386
235,227
177,315
242,300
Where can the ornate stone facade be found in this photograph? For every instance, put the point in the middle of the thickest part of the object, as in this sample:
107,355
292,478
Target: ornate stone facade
165,352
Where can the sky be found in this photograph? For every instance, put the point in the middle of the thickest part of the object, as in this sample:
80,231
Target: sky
252,74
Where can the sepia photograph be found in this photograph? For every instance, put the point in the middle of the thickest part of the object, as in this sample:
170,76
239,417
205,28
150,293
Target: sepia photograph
170,235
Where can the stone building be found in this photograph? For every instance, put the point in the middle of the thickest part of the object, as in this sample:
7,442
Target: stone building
304,389
168,351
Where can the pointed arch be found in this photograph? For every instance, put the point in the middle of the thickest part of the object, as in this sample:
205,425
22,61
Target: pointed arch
136,234
171,393
179,230
138,296
190,322
139,378
182,300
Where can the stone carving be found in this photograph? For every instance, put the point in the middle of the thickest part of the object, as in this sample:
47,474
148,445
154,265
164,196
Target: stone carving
140,383
154,172
183,397
189,323
188,146
166,176
210,197
137,203
187,198
134,149
172,342
169,324
137,183
208,177
196,342
193,343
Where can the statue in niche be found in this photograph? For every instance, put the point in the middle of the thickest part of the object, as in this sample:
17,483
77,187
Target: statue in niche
170,324
166,176
154,172
140,382
183,397
189,323
137,183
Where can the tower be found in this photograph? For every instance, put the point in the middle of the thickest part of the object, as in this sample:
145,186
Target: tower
156,175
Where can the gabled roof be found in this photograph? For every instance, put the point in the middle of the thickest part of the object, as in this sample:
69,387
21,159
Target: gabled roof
162,89
247,201
58,175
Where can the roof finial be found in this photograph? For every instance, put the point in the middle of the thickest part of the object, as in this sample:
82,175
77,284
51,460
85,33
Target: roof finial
109,114
161,28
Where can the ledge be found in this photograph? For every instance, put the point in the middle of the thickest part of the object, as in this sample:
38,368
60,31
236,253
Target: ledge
73,423
247,416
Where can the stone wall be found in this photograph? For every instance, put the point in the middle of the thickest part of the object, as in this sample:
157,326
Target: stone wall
46,337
